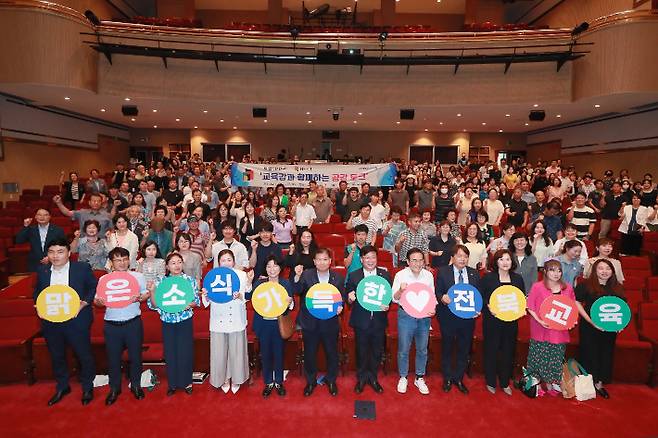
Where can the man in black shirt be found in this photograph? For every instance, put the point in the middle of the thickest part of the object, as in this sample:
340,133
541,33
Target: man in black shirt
517,210
610,206
537,207
114,196
172,195
262,250
541,182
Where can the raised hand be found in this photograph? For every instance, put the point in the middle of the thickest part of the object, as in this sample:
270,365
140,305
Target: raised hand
27,222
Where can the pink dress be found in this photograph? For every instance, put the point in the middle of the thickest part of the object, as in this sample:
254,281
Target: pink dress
537,295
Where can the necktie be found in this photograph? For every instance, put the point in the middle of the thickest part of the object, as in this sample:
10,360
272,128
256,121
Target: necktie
461,277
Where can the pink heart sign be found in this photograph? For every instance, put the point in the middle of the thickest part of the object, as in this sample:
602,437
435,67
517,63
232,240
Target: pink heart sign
418,300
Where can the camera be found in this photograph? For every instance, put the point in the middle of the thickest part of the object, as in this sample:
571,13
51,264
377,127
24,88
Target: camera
335,115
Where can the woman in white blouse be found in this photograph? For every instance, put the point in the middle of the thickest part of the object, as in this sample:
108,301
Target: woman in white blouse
123,237
634,219
493,207
542,245
477,258
229,359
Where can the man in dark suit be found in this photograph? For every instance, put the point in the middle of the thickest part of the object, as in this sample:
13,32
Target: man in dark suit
74,332
38,237
314,330
456,333
369,327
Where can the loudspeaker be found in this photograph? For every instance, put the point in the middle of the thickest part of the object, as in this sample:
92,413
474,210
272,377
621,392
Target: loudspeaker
259,112
129,110
330,135
537,116
407,114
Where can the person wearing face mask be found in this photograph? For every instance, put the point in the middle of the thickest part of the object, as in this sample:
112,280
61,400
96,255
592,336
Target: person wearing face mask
626,190
456,333
443,202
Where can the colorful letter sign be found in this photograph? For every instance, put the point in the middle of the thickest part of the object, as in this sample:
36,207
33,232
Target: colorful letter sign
418,300
507,303
465,301
323,300
174,294
117,289
559,312
58,303
610,313
270,299
373,292
221,283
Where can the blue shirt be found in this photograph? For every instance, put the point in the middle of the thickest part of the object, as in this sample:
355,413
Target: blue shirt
132,310
173,318
570,270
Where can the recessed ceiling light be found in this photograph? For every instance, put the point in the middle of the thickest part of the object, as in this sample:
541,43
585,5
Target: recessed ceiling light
354,121
597,106
155,126
132,120
507,115
221,120
196,127
558,116
360,114
459,114
265,121
155,110
235,127
308,113
178,120
309,121
440,123
464,130
484,123
67,98
500,130
102,110
127,99
426,130
536,105
397,123
205,111
526,123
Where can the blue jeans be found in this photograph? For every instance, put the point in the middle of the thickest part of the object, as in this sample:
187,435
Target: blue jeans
412,329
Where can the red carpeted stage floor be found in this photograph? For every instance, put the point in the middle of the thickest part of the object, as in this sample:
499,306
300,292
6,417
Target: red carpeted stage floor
632,411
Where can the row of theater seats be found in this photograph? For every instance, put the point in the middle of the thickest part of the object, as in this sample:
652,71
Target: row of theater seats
26,358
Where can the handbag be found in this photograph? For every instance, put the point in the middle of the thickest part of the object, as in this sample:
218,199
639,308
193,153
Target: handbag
528,384
576,382
286,325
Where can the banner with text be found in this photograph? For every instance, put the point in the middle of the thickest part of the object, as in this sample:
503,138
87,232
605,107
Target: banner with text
298,175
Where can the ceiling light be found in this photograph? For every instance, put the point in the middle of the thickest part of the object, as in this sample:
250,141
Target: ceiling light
196,127
308,113
155,126
597,106
484,123
102,110
500,130
235,127
464,130
205,111
67,98
507,115
440,123
526,123
221,120
354,121
459,114
536,105
397,123
309,121
132,120
426,130
558,116
155,110
178,120
265,121
360,114
127,99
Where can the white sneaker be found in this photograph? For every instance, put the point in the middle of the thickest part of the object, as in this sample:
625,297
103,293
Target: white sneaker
235,388
226,386
422,387
556,387
402,385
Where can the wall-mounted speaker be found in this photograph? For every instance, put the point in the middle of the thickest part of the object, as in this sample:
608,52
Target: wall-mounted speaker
407,114
129,110
259,112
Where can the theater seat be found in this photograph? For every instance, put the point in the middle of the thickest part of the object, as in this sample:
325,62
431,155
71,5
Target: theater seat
652,289
648,331
15,348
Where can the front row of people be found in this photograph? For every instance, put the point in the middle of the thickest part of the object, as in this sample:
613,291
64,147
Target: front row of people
229,366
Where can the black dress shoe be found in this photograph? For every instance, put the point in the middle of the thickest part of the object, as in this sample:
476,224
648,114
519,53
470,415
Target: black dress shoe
280,389
333,389
58,396
376,386
308,389
461,387
188,390
111,397
171,392
137,392
447,385
268,390
602,392
358,388
87,397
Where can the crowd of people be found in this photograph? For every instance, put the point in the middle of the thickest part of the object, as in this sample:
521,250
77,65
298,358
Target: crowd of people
485,224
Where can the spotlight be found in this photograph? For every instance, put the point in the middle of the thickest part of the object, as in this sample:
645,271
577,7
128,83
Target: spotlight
93,19
335,115
582,27
383,36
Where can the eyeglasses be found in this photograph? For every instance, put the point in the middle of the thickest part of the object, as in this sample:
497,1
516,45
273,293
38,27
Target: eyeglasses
416,260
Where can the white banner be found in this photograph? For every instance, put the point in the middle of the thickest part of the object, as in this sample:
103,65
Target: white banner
298,176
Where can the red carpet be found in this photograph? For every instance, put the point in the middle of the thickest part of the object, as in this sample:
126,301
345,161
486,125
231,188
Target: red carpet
632,411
